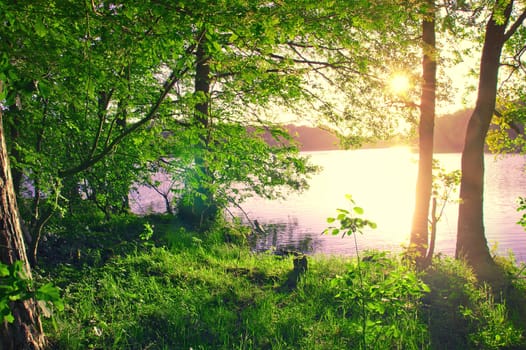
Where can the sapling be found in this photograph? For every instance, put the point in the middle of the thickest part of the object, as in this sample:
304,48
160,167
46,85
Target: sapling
350,224
444,185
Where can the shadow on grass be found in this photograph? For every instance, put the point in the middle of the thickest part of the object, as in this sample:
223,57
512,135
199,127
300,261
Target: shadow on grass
464,313
448,328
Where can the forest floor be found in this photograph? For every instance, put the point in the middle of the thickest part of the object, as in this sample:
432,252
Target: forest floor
149,283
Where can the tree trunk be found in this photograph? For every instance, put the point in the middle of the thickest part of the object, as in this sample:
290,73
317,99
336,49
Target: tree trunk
419,228
202,209
26,330
471,239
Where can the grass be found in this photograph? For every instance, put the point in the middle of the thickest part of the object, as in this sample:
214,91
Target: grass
196,292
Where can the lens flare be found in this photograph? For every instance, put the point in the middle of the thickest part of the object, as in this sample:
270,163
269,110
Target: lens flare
399,84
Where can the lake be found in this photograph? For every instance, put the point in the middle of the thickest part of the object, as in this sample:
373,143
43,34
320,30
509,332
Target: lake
382,182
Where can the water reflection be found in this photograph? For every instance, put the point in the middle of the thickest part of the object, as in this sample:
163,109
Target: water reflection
285,236
382,181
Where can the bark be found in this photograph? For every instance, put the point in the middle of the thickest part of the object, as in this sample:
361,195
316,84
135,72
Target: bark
202,83
202,209
471,239
419,228
26,330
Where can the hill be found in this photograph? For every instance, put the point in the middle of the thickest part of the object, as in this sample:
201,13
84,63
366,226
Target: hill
450,131
313,139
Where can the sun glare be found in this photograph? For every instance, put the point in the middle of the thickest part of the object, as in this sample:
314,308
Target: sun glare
399,84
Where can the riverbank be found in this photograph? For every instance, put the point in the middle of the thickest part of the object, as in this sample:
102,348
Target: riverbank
156,285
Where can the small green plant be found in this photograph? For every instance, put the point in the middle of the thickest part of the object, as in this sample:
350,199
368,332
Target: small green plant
388,300
15,286
385,293
147,232
350,222
146,235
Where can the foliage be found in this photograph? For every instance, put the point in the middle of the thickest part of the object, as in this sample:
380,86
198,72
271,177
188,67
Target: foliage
389,291
507,133
92,86
350,222
15,287
147,233
372,290
101,96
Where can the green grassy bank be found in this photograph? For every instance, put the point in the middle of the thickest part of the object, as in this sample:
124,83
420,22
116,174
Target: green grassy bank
179,290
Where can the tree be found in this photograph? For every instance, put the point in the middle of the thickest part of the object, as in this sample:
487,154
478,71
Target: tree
25,332
85,76
471,240
419,229
99,82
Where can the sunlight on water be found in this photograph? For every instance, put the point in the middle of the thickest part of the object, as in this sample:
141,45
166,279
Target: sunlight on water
382,185
382,182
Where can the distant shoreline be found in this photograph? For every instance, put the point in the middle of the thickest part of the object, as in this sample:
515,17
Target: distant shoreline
450,131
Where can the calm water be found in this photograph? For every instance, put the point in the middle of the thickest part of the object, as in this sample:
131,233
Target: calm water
382,182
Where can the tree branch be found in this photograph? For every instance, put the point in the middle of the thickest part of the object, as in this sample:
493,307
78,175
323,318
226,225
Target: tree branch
174,78
515,26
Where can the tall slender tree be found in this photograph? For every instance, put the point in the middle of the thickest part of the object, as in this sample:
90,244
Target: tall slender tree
471,240
420,225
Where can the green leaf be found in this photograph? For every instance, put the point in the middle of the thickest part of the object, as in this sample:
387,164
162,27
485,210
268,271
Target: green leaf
15,297
40,28
216,46
44,89
48,292
358,210
233,37
425,288
9,318
4,270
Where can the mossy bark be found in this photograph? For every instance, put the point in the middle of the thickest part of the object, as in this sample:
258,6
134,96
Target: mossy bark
25,332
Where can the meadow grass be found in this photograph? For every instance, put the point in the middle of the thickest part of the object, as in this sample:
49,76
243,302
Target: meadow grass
197,292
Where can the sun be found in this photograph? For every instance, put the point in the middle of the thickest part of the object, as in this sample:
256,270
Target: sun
399,84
